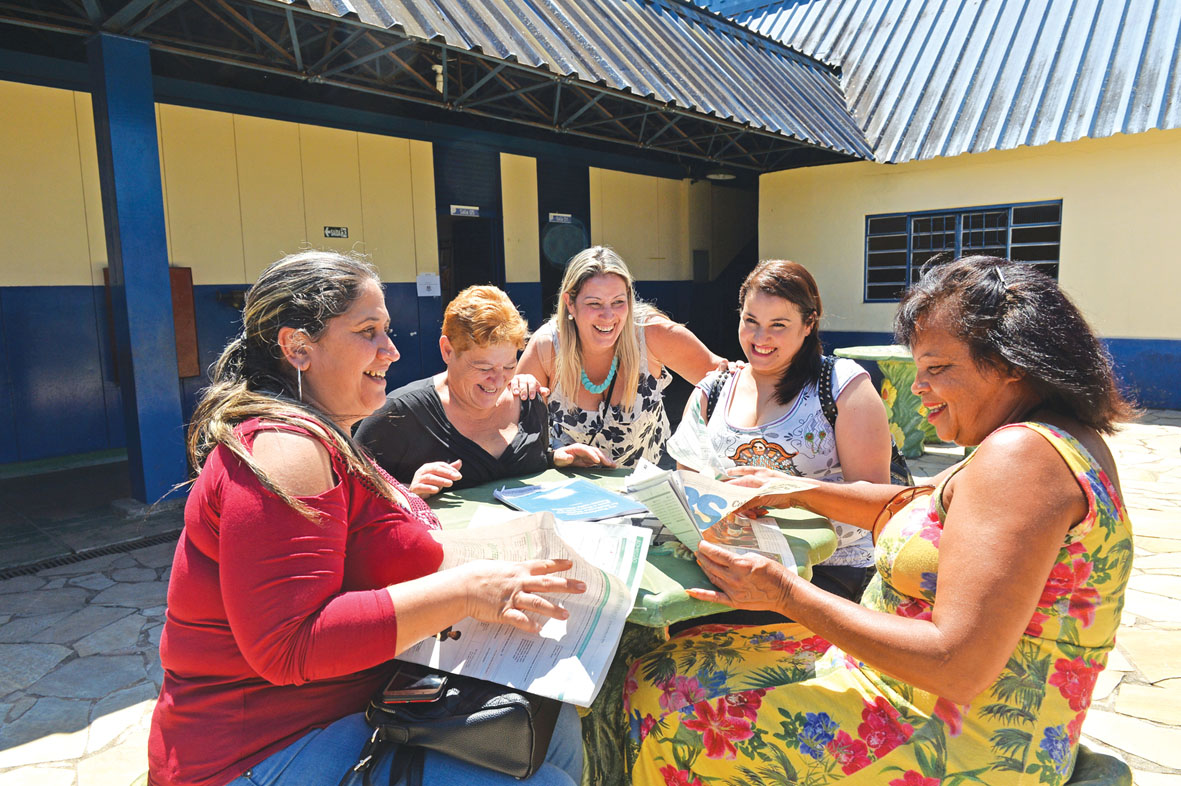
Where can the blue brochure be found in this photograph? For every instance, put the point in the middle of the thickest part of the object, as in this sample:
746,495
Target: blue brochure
572,500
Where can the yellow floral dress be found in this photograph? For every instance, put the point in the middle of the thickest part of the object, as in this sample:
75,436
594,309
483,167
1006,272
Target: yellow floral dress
779,705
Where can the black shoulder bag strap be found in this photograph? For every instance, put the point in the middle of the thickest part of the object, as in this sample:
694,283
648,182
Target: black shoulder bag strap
899,471
714,392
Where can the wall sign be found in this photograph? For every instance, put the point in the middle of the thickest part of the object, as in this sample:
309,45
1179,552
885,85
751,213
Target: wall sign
561,218
336,232
467,211
428,284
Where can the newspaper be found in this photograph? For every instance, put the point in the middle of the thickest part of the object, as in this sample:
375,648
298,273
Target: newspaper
568,660
691,447
695,508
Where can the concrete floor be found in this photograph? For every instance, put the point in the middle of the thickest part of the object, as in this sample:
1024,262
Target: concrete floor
79,668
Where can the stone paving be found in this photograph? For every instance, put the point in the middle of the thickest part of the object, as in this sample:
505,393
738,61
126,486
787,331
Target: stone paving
79,668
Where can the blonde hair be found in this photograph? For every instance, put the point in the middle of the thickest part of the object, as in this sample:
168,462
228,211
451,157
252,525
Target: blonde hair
481,316
585,265
251,379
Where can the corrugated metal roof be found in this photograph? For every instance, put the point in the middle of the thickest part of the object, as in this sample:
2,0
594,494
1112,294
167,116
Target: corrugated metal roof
667,50
931,78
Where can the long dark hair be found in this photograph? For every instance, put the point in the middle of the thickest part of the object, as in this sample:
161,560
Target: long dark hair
251,378
792,282
1015,318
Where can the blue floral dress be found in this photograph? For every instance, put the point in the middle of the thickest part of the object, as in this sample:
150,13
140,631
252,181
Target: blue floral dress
777,704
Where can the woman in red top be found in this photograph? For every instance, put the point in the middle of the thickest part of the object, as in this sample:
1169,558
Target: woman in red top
303,567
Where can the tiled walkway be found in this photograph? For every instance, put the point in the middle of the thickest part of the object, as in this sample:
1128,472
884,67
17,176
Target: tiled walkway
79,670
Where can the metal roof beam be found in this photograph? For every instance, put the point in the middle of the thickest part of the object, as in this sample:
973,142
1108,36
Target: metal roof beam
672,122
234,17
118,21
93,12
156,15
510,94
296,50
488,77
568,123
246,23
366,58
331,55
635,115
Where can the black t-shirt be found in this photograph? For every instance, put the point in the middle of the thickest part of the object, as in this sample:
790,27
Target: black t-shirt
412,429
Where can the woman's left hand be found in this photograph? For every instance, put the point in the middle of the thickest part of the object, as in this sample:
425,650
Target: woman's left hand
582,456
730,366
526,386
747,581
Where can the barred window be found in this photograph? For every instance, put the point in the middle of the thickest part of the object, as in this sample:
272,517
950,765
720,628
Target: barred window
897,245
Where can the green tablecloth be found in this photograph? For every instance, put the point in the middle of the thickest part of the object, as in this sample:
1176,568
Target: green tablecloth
908,418
662,600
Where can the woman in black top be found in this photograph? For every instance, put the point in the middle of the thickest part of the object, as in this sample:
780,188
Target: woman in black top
465,426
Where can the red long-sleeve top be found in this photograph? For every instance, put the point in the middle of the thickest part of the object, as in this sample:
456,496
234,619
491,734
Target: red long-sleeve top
276,624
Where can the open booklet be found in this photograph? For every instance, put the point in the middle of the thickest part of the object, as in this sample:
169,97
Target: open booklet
568,660
695,508
577,499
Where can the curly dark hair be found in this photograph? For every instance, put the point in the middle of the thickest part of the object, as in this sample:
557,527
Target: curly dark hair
1015,318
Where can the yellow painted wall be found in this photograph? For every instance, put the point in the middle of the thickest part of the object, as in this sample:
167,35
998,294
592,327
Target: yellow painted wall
426,229
239,192
43,211
646,220
332,186
387,205
518,196
1120,197
201,191
270,189
91,190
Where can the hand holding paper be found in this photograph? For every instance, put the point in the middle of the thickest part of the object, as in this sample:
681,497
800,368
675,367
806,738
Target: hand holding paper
694,507
747,581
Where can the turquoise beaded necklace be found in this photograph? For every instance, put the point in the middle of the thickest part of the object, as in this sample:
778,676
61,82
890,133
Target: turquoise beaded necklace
597,389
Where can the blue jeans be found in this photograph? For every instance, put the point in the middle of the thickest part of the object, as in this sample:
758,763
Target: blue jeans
322,756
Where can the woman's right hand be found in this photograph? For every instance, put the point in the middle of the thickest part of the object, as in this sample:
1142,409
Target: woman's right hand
756,477
509,592
745,581
435,476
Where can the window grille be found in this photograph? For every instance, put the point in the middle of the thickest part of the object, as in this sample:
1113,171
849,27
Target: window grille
897,244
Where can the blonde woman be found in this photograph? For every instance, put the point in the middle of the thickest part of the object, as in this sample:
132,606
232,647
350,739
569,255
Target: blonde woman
464,426
606,359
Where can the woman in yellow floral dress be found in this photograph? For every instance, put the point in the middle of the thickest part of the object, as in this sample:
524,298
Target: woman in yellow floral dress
974,652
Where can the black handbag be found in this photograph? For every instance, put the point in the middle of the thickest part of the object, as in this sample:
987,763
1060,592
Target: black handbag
479,722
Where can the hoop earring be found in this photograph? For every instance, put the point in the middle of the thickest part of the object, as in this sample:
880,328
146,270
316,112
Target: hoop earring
299,382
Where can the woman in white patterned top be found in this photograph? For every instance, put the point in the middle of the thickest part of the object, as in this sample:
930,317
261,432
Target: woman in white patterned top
606,359
769,414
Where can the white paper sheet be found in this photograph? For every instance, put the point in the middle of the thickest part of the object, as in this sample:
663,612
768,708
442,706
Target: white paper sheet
569,659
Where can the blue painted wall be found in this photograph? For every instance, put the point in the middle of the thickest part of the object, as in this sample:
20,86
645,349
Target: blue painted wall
59,393
526,295
57,383
8,452
1149,370
674,298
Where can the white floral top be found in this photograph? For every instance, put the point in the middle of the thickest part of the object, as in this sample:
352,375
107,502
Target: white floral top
800,443
627,435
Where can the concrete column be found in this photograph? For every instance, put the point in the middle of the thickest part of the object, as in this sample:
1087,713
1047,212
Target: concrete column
133,212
